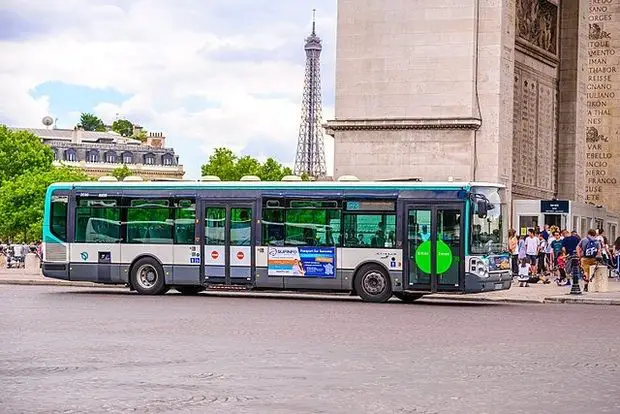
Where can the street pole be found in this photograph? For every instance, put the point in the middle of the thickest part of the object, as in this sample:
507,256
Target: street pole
575,289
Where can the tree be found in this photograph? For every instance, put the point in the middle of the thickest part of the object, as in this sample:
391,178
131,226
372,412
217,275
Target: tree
21,200
91,122
123,127
121,172
21,153
226,165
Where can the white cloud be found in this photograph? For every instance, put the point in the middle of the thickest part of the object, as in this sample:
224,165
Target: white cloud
243,64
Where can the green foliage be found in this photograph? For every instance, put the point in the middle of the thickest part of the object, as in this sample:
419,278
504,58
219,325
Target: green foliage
226,165
121,172
21,200
20,153
141,135
123,127
91,122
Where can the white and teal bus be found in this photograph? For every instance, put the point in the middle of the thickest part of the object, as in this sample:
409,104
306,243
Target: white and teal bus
373,239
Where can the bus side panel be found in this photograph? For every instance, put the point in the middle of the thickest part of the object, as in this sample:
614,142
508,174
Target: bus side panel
95,262
263,280
186,269
352,258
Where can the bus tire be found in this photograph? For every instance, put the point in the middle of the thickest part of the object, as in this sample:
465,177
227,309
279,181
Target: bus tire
147,277
373,284
190,290
408,297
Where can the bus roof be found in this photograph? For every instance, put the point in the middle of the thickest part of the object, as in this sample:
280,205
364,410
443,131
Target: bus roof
284,185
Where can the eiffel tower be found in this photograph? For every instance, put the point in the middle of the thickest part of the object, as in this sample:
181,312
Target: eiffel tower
310,158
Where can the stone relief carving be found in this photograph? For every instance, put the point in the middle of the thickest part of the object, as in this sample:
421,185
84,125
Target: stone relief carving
537,22
597,33
592,135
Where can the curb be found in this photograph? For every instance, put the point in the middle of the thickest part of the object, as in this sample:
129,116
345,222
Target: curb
583,301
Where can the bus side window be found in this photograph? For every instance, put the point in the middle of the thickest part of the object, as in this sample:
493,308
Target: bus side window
369,230
273,227
58,217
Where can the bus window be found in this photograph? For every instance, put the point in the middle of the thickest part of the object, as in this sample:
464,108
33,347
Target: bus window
149,222
369,230
215,219
312,227
185,222
97,221
273,227
240,226
58,219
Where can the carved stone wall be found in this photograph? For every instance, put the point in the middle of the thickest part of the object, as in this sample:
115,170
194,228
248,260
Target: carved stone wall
537,24
602,135
535,132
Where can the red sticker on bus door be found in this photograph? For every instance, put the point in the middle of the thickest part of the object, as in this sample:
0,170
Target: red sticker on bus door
240,255
214,255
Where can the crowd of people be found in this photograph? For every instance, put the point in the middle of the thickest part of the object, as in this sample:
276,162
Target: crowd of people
13,255
541,256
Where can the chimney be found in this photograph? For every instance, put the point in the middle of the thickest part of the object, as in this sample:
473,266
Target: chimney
156,140
136,130
76,135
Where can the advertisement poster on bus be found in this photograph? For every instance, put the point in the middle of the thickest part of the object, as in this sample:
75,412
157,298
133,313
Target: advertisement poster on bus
315,262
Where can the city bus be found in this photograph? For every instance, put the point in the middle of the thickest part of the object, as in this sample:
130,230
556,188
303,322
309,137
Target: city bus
372,239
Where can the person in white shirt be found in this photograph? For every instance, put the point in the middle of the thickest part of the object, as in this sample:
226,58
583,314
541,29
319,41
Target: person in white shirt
524,273
531,249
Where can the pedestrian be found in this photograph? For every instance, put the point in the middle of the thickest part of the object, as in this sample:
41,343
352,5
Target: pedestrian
531,249
513,248
570,243
562,280
524,273
588,250
542,250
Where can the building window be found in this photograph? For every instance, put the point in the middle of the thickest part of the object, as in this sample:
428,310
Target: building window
167,159
55,150
70,155
110,157
127,158
149,159
92,156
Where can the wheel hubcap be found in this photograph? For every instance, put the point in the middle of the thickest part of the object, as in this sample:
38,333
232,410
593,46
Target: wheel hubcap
373,283
147,276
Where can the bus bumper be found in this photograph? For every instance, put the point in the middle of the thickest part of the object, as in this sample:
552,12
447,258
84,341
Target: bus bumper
56,270
495,281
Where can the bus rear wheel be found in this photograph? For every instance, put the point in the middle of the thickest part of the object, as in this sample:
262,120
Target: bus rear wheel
408,297
147,277
190,289
373,284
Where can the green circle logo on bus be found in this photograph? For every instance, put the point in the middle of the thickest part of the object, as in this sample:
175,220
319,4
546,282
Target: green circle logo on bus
84,256
444,257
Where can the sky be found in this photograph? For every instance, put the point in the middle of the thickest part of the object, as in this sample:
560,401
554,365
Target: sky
206,73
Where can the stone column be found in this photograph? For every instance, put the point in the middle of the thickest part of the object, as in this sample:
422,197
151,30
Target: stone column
602,138
572,102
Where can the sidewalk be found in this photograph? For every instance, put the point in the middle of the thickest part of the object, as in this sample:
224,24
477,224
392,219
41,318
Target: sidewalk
538,293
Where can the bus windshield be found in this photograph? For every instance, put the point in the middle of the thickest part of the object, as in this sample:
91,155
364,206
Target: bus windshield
487,232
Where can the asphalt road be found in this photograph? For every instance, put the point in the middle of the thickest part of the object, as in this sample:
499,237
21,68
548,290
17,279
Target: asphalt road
68,350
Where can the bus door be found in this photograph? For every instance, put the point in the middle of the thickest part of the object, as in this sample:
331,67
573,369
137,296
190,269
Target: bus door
226,245
433,247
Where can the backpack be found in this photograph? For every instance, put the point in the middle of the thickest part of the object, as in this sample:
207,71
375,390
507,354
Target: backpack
591,248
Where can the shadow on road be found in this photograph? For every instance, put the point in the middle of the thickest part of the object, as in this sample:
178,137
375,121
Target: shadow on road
173,295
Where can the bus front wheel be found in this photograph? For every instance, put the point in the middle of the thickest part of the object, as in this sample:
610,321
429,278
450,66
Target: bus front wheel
147,277
373,284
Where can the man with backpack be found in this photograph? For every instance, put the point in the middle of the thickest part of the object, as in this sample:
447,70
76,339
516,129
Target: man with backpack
588,250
